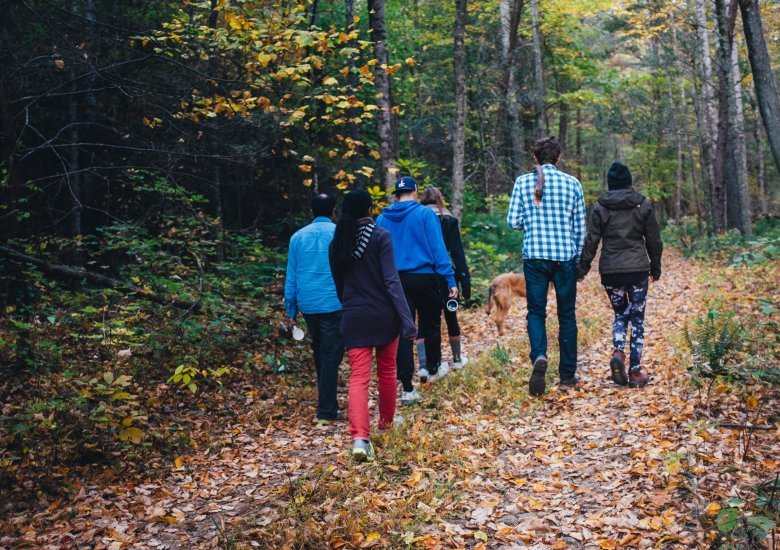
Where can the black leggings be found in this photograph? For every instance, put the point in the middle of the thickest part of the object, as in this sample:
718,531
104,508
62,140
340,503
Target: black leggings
423,295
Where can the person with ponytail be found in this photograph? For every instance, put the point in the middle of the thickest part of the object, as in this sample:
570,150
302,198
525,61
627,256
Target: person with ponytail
549,206
374,314
450,229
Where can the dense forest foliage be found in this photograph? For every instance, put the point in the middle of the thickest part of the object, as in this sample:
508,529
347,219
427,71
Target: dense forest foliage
156,156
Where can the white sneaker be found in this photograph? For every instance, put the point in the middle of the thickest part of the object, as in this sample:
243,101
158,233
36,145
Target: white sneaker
444,368
424,375
460,364
410,397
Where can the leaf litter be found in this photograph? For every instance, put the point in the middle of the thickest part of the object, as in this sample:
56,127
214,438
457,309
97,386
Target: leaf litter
479,464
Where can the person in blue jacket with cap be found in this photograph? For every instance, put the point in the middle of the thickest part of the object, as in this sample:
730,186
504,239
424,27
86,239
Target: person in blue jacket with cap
421,258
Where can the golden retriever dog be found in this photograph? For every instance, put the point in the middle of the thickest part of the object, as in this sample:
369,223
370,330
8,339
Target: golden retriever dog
502,290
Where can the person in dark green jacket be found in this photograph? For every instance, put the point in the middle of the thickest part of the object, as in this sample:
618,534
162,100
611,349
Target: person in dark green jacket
624,221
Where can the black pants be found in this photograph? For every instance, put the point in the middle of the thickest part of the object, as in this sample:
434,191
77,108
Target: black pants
328,350
423,295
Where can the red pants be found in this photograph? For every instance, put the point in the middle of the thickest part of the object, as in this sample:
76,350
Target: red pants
360,362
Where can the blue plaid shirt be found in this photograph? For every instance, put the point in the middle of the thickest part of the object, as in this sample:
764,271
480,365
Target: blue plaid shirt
555,229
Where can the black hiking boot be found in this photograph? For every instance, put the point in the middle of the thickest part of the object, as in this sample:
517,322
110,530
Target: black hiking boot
536,384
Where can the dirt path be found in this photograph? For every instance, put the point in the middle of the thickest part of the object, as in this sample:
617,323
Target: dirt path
591,468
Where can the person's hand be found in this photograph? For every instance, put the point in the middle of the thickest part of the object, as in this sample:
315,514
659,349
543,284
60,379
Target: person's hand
453,292
655,278
288,323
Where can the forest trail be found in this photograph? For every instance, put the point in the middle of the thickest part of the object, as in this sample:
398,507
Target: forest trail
595,467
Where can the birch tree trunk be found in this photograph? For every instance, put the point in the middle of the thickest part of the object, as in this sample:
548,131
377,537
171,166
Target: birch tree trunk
461,104
539,110
708,117
388,147
737,131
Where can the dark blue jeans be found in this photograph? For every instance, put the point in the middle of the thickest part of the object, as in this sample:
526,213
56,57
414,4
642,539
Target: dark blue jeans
563,275
328,350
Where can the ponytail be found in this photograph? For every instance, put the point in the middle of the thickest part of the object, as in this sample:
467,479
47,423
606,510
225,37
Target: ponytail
539,189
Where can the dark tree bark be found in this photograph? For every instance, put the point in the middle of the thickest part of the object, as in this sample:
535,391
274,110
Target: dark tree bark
461,104
388,146
353,128
767,91
725,22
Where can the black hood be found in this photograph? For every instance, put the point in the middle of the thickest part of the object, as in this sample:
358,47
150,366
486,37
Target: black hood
621,199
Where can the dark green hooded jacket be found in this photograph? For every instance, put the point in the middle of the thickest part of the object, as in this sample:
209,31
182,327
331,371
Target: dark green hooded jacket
625,221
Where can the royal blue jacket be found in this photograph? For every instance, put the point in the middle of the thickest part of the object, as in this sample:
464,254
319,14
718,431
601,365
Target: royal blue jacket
418,244
309,287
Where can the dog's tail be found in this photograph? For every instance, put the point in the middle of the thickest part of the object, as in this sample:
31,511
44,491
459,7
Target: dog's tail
491,291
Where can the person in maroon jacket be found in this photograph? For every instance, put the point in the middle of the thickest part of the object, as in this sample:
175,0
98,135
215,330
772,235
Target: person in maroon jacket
374,313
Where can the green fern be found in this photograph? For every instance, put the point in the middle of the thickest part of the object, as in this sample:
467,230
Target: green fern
713,340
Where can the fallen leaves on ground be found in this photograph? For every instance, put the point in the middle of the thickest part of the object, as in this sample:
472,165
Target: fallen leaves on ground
478,464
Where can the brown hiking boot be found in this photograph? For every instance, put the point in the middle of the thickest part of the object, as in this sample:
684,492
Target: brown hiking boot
637,379
618,367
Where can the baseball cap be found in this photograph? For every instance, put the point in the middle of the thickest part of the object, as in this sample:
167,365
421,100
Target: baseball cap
406,183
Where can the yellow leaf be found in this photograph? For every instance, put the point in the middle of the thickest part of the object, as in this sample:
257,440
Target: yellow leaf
713,509
410,61
308,182
304,168
178,462
265,58
752,402
607,544
481,535
372,537
330,81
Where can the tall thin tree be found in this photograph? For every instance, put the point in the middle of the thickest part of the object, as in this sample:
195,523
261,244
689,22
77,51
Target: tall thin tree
767,91
388,146
539,107
461,104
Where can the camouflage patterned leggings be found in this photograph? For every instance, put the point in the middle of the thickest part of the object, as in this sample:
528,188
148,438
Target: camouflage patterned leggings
629,306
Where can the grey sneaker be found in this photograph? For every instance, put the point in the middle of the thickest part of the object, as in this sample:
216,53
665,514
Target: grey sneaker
363,451
536,384
410,397
425,376
441,372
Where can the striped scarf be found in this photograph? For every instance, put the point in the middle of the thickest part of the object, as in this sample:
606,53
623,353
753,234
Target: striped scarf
361,240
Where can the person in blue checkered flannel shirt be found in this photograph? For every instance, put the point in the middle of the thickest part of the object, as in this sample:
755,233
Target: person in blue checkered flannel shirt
550,207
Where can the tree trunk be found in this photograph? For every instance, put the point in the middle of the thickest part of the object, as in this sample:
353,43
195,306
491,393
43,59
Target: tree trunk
578,144
767,90
508,112
388,147
737,132
539,110
73,273
461,104
563,131
708,117
759,162
725,91
353,126
73,174
219,227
